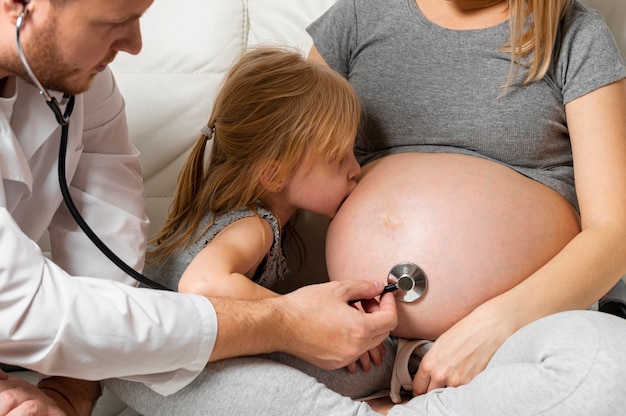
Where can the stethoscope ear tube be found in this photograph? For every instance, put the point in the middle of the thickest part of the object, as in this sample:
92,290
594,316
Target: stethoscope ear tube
18,29
50,100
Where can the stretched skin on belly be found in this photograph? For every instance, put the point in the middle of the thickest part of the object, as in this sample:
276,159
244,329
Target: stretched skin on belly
476,227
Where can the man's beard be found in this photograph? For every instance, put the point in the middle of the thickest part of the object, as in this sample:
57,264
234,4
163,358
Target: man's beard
47,64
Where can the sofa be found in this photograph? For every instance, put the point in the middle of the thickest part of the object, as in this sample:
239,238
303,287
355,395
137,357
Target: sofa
169,88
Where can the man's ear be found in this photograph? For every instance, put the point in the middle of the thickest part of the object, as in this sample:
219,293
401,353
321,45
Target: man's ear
270,178
13,8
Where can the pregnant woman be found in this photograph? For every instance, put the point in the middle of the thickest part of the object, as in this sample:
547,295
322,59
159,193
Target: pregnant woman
478,115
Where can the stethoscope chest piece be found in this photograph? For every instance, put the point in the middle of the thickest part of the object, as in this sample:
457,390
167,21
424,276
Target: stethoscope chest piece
411,281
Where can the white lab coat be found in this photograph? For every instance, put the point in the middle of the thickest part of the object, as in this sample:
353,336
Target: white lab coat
54,319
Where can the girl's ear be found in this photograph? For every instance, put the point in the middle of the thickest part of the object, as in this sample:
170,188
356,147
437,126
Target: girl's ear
270,179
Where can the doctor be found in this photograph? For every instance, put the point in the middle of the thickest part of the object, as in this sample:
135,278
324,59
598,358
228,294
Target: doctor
77,315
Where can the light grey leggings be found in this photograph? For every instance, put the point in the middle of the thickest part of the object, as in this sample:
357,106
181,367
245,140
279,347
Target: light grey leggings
572,363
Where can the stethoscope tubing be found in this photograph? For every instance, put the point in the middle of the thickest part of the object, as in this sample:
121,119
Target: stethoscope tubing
67,198
63,118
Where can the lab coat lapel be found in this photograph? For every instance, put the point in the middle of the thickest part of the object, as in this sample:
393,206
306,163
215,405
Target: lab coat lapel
32,121
27,126
13,162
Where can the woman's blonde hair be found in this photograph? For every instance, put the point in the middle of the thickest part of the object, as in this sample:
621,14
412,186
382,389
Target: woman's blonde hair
534,26
273,106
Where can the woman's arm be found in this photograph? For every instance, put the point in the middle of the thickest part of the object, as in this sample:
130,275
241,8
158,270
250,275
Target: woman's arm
577,276
595,259
597,125
226,265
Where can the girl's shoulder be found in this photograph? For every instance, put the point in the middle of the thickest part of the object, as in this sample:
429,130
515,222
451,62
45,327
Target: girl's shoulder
257,209
264,212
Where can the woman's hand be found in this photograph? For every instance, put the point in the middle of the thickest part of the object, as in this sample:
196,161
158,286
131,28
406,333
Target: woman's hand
464,350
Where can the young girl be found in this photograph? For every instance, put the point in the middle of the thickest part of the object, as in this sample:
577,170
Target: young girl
281,133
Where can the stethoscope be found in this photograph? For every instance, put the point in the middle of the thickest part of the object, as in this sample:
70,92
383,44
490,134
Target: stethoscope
406,279
63,118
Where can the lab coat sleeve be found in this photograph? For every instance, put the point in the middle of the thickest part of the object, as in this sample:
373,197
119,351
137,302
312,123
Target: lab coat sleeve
93,329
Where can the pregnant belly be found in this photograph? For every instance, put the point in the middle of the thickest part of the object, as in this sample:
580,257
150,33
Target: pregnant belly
477,228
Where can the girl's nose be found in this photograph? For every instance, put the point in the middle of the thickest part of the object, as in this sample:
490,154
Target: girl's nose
355,168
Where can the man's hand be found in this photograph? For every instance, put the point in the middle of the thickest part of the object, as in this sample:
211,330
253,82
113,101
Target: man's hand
322,328
56,396
314,323
375,355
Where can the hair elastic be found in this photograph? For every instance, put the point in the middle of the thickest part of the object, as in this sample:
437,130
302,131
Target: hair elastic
208,132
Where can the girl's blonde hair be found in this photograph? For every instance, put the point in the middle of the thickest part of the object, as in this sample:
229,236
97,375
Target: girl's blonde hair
274,104
534,26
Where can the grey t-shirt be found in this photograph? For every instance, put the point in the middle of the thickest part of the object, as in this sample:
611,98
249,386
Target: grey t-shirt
274,267
425,88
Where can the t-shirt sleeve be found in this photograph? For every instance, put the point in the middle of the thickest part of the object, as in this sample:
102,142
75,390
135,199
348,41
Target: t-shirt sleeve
589,57
334,35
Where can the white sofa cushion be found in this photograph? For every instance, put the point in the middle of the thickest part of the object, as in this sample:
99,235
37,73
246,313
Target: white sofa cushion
283,22
170,86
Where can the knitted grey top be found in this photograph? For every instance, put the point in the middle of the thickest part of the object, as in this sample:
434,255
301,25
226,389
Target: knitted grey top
425,88
273,268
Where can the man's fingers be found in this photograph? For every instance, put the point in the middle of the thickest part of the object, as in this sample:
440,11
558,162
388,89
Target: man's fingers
386,316
355,290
